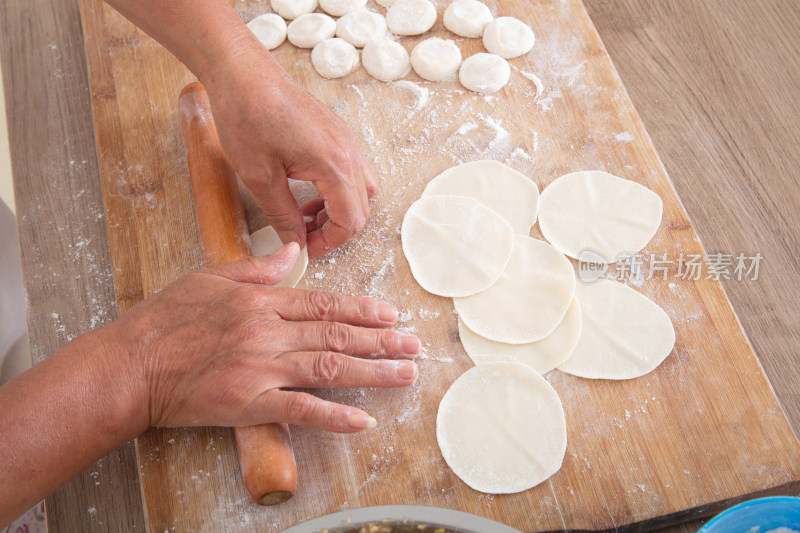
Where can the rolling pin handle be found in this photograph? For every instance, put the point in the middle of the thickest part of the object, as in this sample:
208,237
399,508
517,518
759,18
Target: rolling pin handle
265,452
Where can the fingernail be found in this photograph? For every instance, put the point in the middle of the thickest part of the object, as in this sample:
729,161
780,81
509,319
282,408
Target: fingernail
406,370
410,344
361,421
387,313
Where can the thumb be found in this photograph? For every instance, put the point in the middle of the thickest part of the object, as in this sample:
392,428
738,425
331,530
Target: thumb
280,208
263,270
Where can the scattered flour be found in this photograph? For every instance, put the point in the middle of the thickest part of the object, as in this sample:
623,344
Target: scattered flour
501,135
466,128
423,94
536,81
521,154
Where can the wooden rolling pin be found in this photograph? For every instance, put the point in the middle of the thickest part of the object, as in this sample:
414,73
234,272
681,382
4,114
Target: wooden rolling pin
265,452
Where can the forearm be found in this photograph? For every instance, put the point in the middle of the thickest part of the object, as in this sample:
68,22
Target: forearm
61,416
206,35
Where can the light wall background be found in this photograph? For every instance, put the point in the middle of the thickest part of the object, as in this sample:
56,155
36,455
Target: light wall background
6,188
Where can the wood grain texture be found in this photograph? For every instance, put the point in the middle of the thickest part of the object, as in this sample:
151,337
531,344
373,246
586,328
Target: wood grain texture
699,117
66,268
712,81
704,428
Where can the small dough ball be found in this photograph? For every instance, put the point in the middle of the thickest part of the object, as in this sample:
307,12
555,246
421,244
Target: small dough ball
467,18
484,73
386,60
291,9
386,3
508,37
334,58
309,30
436,59
360,27
270,30
411,17
337,8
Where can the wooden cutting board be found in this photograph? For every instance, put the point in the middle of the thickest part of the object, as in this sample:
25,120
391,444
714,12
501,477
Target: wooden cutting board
702,430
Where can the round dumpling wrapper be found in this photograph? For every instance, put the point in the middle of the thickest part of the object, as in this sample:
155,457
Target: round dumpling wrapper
455,245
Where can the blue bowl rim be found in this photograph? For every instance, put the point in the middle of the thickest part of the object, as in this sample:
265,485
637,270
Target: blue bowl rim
749,503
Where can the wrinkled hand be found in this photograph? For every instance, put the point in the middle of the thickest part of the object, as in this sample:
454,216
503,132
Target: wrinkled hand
271,130
217,348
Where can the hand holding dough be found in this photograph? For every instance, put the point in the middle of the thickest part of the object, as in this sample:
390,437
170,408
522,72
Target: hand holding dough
266,242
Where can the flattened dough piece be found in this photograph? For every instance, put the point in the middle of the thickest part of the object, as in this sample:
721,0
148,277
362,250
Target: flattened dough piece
291,9
542,356
385,60
360,27
307,31
270,30
335,58
436,59
625,334
528,301
502,189
455,245
266,241
508,37
599,212
501,428
467,18
337,8
411,17
484,73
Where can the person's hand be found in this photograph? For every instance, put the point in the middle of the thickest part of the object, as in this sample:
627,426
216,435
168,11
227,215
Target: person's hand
218,347
271,130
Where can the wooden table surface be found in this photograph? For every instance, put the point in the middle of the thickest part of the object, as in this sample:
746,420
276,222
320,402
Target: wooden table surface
714,82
